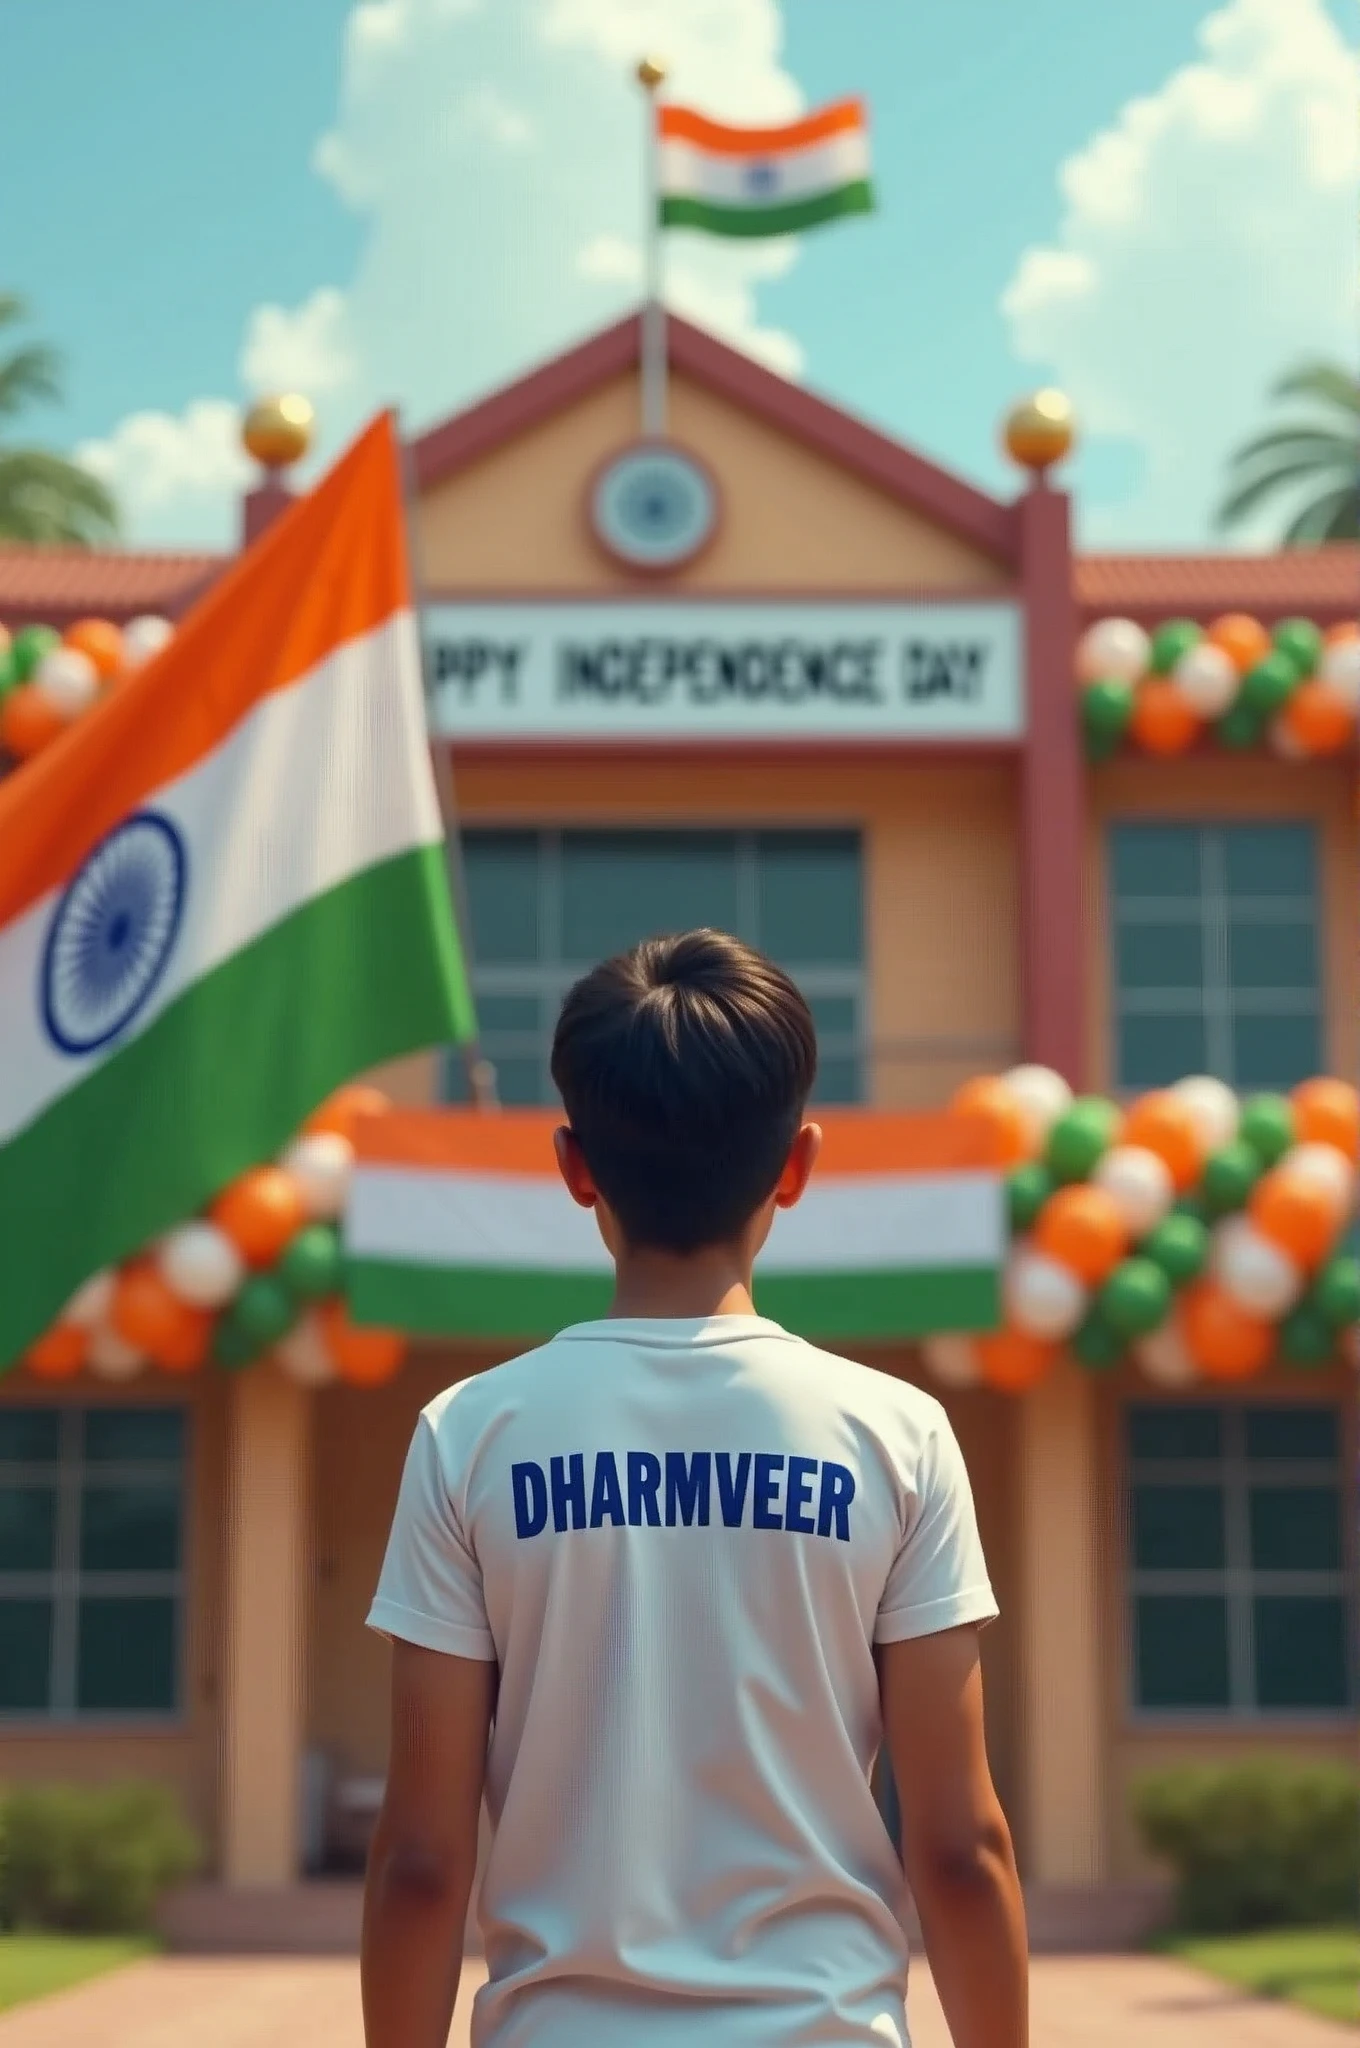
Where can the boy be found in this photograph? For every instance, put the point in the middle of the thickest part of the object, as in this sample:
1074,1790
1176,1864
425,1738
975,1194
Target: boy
684,1574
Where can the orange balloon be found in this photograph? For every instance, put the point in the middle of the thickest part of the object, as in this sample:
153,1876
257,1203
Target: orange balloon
1318,717
260,1213
1297,1215
1244,640
363,1357
102,641
1349,629
28,722
340,1112
1162,722
1082,1229
1012,1361
152,1318
1327,1112
1226,1342
1163,1124
59,1353
991,1100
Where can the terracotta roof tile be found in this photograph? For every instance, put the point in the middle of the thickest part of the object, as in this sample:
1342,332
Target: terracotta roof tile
60,584
1314,582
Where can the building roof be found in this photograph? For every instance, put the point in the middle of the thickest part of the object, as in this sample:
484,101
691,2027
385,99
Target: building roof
1315,583
57,585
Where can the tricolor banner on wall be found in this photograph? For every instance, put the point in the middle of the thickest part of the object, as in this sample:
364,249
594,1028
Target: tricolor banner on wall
458,1225
762,181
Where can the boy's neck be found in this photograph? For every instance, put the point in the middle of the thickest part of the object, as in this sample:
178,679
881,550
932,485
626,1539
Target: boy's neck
712,1282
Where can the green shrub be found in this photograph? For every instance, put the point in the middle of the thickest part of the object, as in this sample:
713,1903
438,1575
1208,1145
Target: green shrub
90,1861
1265,1843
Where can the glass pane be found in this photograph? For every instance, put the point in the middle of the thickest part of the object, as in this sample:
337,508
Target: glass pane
507,1013
1275,1052
1301,1651
834,1016
1272,955
1270,860
30,1436
134,1436
129,1528
619,887
1160,956
1156,860
1182,1650
25,1656
1178,1528
1174,1431
839,1079
28,1528
1312,1432
809,897
502,872
1295,1528
125,1656
1154,1051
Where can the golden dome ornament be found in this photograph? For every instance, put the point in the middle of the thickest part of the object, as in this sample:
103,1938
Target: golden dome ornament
1040,431
651,73
278,431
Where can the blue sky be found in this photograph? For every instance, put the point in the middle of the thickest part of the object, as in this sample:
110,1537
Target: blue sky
411,199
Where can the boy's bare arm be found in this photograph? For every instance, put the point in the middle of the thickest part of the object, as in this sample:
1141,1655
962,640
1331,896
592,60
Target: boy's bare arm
956,1845
424,1856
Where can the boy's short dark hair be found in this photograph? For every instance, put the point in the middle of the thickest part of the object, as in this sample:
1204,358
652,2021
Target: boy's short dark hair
684,1067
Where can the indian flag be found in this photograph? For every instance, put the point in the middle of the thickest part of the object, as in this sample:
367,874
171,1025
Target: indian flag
762,181
222,893
458,1225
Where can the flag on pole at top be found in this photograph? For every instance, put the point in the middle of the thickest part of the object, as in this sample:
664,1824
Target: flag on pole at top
223,893
762,181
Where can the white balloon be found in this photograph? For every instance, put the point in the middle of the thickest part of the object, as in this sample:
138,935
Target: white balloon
1206,679
952,1359
1138,1183
112,1357
200,1264
1340,666
68,679
1042,1095
1214,1108
1322,1166
1164,1357
322,1165
143,637
1042,1297
91,1302
1285,743
304,1355
1116,648
1256,1273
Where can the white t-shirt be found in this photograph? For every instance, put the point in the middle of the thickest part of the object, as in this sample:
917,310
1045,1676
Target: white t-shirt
680,1541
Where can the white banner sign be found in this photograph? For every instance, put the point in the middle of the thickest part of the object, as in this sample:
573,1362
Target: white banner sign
725,671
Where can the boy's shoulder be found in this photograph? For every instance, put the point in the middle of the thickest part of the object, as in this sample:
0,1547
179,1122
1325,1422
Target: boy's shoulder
868,1392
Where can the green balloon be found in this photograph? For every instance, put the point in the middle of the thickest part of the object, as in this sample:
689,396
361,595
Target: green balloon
1300,642
1193,1206
312,1264
1081,1136
1336,1292
1306,1337
232,1347
9,678
1269,686
1241,727
1179,1245
1229,1176
1267,1125
1170,642
28,647
1106,708
264,1309
1097,1344
1028,1187
1136,1297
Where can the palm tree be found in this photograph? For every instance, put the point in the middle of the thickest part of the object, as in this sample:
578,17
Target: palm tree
42,496
1317,458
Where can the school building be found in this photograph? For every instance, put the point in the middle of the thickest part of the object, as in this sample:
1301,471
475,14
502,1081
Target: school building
783,675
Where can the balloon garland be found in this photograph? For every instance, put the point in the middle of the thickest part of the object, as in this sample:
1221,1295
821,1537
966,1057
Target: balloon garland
1297,688
49,679
1195,1234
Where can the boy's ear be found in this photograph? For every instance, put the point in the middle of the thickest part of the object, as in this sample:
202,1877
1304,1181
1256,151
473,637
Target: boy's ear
798,1166
571,1164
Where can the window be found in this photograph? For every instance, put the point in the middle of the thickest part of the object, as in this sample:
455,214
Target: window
545,906
1216,954
1238,1574
91,1588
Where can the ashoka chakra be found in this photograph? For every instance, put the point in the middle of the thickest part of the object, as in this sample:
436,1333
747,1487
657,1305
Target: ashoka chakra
113,933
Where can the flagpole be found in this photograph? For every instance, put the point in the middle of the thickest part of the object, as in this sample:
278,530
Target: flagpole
651,75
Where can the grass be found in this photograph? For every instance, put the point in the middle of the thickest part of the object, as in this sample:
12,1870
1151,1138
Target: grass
32,1965
1315,1967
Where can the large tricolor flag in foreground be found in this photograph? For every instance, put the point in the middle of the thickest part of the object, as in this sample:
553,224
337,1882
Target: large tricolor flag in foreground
762,181
221,894
458,1224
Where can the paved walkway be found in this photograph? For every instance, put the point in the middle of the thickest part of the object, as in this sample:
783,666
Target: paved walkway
191,2002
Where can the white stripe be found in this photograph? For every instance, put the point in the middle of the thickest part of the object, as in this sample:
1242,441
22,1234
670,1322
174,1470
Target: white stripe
690,172
320,781
851,1223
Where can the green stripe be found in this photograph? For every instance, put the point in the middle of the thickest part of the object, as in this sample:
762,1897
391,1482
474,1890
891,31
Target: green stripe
361,974
503,1303
788,218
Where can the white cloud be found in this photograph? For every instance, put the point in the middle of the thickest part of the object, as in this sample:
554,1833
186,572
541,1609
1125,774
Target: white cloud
176,476
307,349
1208,244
